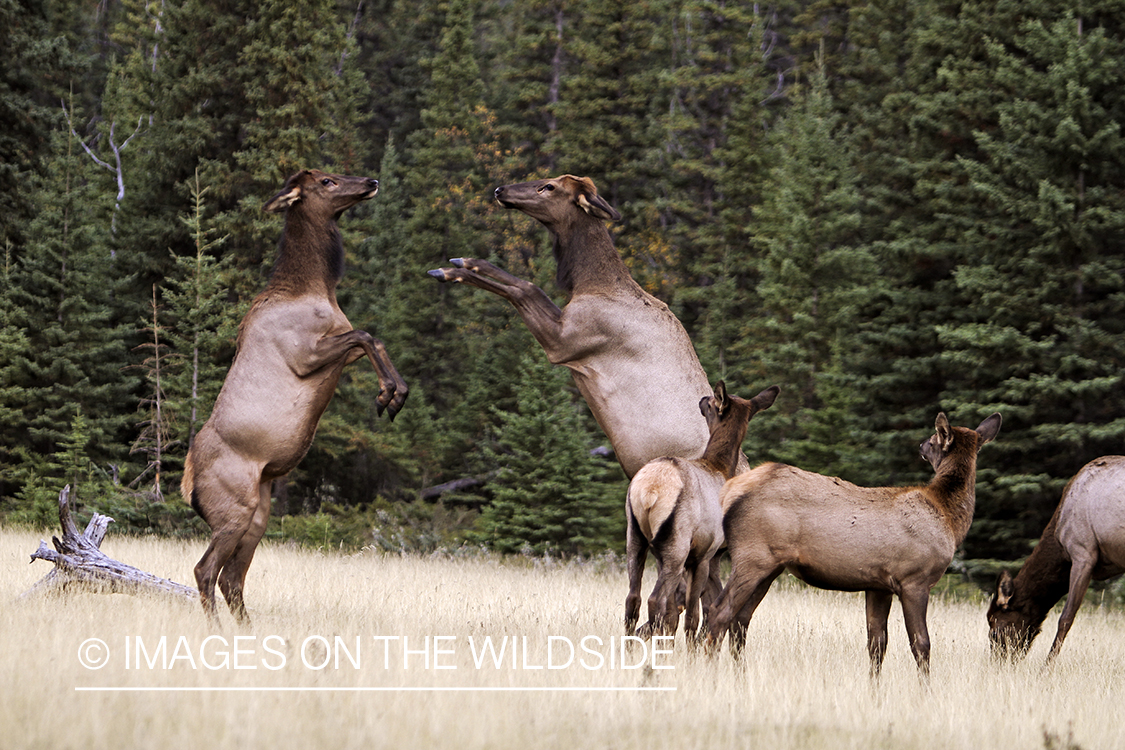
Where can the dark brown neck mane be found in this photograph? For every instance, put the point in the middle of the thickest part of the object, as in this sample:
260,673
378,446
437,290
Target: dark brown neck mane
725,444
954,484
1043,580
586,259
310,256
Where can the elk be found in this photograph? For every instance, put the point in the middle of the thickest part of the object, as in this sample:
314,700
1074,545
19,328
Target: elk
672,506
1084,541
831,534
292,347
629,356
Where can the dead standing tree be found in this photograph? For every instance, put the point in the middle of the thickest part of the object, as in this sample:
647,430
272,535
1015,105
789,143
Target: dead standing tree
80,563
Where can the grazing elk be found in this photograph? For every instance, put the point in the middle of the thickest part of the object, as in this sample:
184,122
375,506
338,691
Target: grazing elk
673,507
292,346
835,535
1084,540
628,354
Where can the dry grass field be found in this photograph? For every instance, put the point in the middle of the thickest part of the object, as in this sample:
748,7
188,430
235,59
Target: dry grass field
802,683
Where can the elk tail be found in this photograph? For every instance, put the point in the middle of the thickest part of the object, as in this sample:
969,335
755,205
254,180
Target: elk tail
653,494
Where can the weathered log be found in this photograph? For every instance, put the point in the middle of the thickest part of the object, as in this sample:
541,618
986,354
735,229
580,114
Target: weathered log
80,563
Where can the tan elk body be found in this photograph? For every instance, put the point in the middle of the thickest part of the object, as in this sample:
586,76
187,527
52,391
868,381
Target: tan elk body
1084,541
672,506
630,357
885,541
292,347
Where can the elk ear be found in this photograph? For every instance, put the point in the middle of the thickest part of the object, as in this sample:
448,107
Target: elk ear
765,399
989,428
289,195
593,204
1004,589
721,397
944,431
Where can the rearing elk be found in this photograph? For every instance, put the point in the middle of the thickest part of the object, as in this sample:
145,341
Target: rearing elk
673,507
834,535
1084,541
292,347
630,357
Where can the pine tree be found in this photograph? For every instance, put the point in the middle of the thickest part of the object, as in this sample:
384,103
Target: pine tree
1043,332
548,493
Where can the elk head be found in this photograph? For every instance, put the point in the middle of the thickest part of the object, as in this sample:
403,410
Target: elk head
553,201
947,439
322,194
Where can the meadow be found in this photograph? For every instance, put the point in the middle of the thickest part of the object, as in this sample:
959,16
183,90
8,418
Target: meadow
366,650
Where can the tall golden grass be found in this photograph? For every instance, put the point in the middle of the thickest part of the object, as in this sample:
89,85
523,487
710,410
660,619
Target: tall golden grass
802,683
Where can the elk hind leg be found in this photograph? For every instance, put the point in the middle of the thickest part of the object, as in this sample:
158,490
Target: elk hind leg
233,575
878,610
228,507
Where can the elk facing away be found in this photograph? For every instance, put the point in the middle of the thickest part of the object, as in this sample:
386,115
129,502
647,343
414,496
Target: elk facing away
629,355
834,535
673,506
1084,540
293,345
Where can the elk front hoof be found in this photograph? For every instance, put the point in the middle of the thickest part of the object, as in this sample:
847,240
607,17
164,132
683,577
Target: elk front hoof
438,274
459,262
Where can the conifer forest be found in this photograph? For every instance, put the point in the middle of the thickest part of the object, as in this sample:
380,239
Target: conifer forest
887,208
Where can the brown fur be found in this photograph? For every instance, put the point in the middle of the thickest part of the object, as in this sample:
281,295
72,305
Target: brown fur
832,534
293,345
629,355
673,507
1084,541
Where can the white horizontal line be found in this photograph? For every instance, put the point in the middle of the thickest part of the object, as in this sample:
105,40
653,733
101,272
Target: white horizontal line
404,689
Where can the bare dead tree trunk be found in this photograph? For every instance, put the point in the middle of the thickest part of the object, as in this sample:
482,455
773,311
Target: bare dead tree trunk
81,565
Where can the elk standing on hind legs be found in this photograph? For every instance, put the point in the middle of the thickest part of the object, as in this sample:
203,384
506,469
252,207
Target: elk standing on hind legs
832,534
1084,541
630,357
292,347
673,506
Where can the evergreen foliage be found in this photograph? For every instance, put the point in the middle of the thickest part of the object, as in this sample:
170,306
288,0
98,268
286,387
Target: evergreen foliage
887,209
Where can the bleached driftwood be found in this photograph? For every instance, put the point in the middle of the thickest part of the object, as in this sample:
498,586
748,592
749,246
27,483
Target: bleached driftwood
80,563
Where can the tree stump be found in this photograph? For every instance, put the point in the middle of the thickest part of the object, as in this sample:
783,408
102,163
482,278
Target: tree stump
80,563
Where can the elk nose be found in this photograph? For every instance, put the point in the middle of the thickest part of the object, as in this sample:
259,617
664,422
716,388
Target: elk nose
372,183
499,192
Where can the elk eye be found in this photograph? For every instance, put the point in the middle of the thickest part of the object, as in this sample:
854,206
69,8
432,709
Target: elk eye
327,182
548,187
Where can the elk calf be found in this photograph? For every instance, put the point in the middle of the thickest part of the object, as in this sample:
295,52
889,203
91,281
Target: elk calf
1084,541
834,535
292,347
673,507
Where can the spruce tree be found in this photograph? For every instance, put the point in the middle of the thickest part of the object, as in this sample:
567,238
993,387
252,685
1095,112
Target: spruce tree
549,495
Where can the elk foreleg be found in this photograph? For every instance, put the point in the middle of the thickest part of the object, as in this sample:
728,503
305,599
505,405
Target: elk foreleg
1081,571
878,610
914,605
539,312
330,350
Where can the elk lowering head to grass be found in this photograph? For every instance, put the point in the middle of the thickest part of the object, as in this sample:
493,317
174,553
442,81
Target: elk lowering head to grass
673,507
834,535
293,345
1084,541
630,357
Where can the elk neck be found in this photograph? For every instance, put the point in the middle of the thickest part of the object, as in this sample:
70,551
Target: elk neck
724,447
310,256
1044,577
953,489
586,260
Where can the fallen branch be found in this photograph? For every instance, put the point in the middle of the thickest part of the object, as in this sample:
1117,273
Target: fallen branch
80,563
